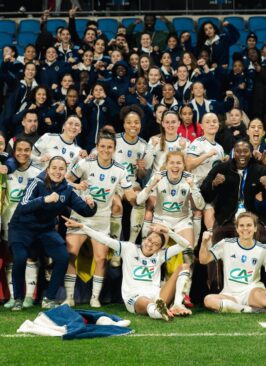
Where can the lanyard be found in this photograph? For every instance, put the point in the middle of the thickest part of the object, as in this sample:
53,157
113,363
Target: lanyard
242,184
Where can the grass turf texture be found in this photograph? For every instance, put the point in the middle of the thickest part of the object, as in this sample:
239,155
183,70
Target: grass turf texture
203,339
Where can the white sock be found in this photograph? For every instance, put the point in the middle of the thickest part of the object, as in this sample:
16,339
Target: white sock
152,312
146,228
97,285
181,286
136,221
70,281
197,229
116,227
9,279
31,276
229,306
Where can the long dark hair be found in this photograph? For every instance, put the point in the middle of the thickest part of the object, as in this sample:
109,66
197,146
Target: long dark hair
202,36
194,116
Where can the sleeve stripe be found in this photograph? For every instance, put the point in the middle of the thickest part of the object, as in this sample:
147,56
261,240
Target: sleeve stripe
25,199
215,258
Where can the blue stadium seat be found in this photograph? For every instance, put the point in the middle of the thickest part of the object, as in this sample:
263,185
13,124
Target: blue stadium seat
108,25
81,25
243,38
5,39
214,20
232,50
53,24
193,38
183,24
257,22
261,34
110,35
238,22
29,25
20,50
8,26
160,26
127,21
24,38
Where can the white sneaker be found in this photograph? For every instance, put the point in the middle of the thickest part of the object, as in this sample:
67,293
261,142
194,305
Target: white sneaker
9,304
69,302
94,302
104,320
115,261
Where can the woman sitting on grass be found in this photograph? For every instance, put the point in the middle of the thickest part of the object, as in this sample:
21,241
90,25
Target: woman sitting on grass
243,258
141,289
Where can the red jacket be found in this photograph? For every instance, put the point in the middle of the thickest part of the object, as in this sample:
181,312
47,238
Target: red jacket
189,132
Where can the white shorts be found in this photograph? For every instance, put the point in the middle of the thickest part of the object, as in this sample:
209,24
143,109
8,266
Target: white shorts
152,293
242,297
173,224
98,223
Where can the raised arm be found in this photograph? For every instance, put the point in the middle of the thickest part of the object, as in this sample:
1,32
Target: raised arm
205,256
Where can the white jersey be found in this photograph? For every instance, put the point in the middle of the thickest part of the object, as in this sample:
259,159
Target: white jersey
102,182
241,265
15,186
127,154
202,146
54,145
173,198
156,156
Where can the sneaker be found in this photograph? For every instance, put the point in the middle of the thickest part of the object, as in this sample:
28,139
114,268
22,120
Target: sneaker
162,309
9,304
28,302
48,304
187,301
69,302
115,261
94,302
17,306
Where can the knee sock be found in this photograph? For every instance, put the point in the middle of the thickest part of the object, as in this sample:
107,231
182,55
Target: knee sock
181,286
31,276
70,281
152,312
146,228
229,306
197,229
9,279
116,227
97,285
136,221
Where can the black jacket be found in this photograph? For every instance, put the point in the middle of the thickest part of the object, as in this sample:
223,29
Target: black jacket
225,196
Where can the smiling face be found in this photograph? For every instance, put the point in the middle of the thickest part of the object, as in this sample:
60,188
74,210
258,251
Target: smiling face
51,54
141,85
175,166
210,124
159,113
30,53
30,71
172,42
151,244
182,73
30,123
98,92
132,125
186,115
242,154
134,60
238,67
246,228
116,56
154,76
72,98
99,46
40,96
187,60
57,170
22,152
166,59
170,123
144,63
67,81
198,90
87,58
255,132
90,36
72,127
65,36
105,149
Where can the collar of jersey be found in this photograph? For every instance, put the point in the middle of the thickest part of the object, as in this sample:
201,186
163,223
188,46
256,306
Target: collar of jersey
245,247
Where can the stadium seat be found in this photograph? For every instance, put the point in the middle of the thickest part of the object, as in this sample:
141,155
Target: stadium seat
29,25
243,38
232,50
108,25
53,24
257,22
127,21
183,24
5,39
20,50
214,20
160,26
109,35
24,38
81,25
238,22
8,26
193,38
261,34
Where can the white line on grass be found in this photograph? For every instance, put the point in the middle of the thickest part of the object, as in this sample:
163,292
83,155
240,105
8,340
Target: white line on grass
163,335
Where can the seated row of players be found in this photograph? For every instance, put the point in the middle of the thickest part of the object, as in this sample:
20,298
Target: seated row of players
168,191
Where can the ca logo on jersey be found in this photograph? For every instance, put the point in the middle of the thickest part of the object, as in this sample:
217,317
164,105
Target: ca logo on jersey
130,168
99,194
240,275
172,206
143,273
16,195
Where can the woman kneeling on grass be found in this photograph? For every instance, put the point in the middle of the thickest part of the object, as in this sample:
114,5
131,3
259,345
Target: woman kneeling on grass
141,289
243,258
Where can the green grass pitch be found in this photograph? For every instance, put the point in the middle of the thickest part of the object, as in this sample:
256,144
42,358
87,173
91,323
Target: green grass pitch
202,339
